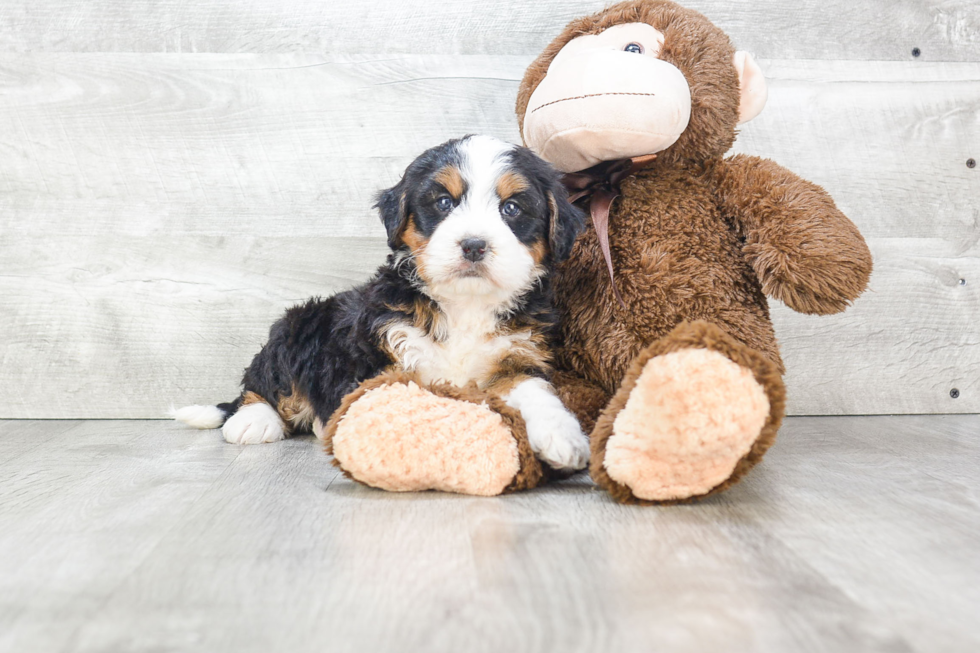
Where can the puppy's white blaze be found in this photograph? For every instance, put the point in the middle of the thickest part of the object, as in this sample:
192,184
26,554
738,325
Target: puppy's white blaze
483,163
199,417
552,431
253,424
509,268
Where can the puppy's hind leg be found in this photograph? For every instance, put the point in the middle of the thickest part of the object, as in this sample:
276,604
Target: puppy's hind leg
254,422
247,420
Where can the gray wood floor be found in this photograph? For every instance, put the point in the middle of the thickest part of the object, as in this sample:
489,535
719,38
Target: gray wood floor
856,533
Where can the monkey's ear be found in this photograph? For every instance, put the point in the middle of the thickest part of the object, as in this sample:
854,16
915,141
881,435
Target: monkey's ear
392,206
753,90
565,223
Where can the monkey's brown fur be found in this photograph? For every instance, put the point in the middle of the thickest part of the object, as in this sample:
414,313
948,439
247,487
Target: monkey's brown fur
530,473
692,335
695,238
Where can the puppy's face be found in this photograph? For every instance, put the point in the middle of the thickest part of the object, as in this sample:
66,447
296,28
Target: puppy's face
480,217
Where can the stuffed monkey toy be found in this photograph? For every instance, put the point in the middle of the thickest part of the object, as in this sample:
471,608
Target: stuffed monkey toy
666,352
665,349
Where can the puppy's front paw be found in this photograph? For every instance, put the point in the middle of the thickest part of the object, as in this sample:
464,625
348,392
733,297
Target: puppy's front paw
557,439
254,424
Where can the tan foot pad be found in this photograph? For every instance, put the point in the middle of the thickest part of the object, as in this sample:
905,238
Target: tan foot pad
692,416
401,437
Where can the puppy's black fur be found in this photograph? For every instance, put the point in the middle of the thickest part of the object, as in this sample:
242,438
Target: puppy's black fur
324,348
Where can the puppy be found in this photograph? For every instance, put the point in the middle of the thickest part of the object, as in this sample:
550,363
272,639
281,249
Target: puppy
475,226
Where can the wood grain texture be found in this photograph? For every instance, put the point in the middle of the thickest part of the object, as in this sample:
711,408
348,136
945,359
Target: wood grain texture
902,348
853,534
159,211
145,143
100,328
943,30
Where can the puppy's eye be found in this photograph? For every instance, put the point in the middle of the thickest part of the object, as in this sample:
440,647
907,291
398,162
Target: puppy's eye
635,48
510,209
444,203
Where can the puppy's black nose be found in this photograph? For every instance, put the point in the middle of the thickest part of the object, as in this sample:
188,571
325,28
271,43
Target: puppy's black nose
474,249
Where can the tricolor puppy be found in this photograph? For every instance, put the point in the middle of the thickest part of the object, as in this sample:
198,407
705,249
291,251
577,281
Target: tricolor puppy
475,226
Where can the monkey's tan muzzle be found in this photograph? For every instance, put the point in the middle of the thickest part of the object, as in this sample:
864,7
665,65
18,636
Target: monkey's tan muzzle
603,106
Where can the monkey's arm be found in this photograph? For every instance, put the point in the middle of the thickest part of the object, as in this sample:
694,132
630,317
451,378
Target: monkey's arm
804,250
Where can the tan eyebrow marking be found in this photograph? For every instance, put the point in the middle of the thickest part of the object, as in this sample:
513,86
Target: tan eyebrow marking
451,180
511,183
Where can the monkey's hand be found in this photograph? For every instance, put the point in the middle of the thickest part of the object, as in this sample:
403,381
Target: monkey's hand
806,253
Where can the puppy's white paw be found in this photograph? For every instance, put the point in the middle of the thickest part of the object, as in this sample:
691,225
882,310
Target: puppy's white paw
253,424
553,433
557,439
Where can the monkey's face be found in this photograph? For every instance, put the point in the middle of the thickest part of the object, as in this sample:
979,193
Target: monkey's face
626,90
607,96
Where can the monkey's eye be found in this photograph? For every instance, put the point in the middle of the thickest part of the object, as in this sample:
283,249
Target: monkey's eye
444,203
510,209
635,48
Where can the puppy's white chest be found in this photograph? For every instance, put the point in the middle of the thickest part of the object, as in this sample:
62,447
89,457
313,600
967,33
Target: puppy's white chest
463,347
462,359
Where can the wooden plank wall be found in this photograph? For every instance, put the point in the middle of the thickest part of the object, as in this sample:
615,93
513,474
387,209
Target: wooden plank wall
173,175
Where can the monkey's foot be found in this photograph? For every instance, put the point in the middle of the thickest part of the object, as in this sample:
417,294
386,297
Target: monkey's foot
396,434
695,412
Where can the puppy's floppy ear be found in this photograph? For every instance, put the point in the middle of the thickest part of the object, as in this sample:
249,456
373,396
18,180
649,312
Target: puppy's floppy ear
393,207
565,223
